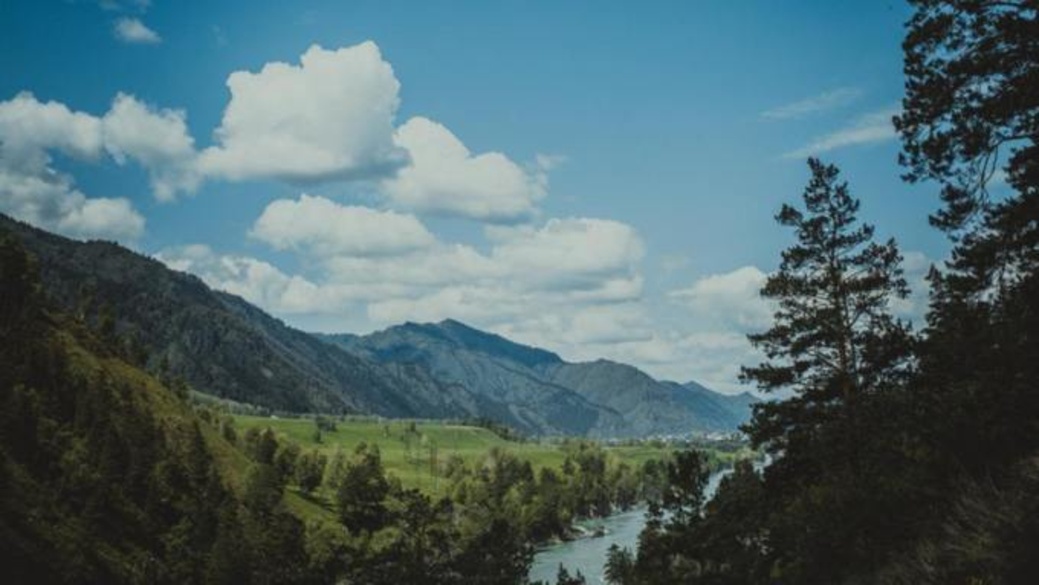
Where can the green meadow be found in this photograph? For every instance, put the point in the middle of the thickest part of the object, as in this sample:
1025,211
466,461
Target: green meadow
411,451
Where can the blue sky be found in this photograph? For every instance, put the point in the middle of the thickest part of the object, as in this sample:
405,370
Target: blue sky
598,178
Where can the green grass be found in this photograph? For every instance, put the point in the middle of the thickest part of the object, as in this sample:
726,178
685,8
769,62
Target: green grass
407,455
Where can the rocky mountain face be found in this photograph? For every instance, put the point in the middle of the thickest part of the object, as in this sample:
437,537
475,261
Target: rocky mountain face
224,346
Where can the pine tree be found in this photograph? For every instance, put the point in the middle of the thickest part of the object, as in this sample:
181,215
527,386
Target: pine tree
834,340
620,566
835,346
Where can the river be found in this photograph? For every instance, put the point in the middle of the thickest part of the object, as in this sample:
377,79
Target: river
588,555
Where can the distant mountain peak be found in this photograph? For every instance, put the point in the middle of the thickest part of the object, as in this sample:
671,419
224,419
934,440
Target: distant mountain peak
453,323
470,338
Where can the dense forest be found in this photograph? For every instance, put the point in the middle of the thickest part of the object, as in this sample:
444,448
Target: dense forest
901,456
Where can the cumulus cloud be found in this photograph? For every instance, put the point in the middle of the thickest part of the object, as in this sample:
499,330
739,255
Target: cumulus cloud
331,118
38,193
133,31
438,266
33,191
827,100
328,118
256,281
731,299
326,228
723,309
868,129
157,139
578,275
28,128
572,253
51,201
576,259
566,284
444,177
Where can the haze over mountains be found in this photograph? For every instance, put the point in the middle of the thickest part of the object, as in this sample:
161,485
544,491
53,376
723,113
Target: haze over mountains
222,345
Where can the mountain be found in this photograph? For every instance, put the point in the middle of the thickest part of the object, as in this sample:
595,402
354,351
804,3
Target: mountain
221,345
600,398
491,367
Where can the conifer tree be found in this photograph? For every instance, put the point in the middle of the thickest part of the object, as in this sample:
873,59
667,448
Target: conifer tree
836,348
833,340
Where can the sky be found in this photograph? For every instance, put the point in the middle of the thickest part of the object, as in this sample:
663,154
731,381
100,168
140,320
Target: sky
597,178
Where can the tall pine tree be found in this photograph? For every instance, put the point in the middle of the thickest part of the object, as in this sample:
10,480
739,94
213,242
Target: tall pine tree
834,340
837,350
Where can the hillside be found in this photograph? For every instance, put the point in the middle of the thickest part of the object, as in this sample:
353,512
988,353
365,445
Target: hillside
107,475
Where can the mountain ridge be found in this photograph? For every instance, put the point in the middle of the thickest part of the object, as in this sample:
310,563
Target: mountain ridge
220,344
488,363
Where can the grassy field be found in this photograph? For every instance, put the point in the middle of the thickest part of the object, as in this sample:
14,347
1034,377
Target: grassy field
408,454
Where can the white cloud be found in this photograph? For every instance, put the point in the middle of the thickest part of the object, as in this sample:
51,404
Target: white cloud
608,324
712,358
444,177
573,253
868,129
578,275
423,270
159,140
818,103
254,280
570,283
29,127
33,191
731,299
133,31
575,259
723,309
328,118
50,200
323,227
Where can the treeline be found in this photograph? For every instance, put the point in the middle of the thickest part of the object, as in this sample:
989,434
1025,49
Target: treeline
901,456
